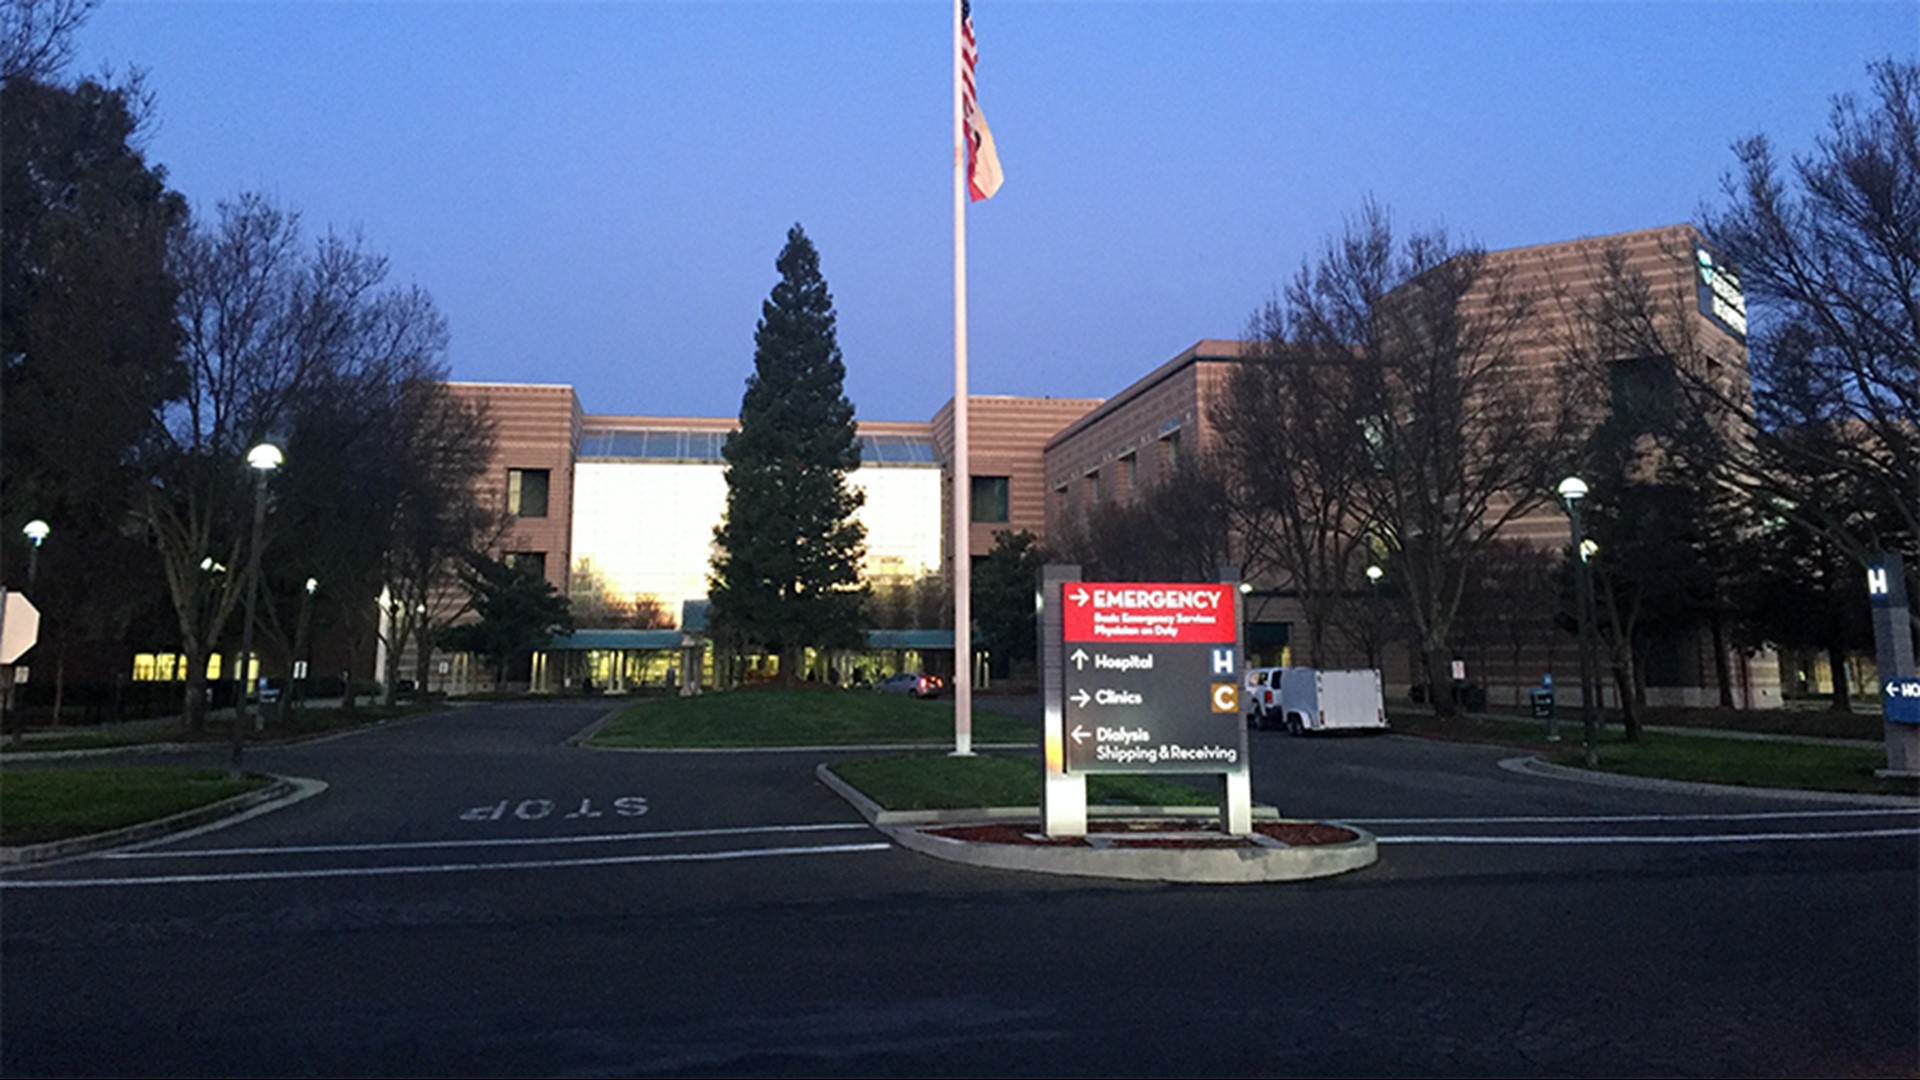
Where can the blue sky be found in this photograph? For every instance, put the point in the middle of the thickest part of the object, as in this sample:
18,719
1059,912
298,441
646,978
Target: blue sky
594,193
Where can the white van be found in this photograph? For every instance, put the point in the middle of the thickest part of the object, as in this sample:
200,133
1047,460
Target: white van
1307,699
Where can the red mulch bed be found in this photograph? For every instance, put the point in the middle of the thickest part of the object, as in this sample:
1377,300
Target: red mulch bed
1205,834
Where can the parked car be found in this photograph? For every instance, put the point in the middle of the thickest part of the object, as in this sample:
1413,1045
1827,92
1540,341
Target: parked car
913,683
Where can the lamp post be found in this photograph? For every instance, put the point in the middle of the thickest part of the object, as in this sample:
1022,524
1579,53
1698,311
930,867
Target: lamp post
1246,625
302,645
1572,490
262,459
1374,645
36,532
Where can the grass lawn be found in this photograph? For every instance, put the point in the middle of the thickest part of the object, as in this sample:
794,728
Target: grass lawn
1696,758
219,730
38,805
804,716
943,782
1742,762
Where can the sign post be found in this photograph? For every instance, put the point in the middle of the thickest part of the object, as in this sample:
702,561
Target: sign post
1893,653
1063,795
1144,677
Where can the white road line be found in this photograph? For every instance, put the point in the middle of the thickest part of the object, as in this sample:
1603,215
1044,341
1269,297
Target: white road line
519,841
1721,838
447,868
1610,819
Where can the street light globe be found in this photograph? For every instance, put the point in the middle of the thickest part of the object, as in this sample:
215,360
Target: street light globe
37,531
312,584
265,456
1374,574
1246,587
1573,489
1588,549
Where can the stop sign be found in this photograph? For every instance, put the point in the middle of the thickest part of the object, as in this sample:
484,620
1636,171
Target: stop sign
19,626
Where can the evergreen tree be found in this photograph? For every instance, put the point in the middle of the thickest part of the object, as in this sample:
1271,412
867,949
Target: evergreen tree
519,610
1004,585
786,572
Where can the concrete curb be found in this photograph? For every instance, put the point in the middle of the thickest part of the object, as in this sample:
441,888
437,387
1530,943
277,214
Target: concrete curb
284,791
852,748
1261,863
1533,766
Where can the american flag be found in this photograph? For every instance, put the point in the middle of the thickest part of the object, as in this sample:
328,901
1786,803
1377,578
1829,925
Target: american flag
983,163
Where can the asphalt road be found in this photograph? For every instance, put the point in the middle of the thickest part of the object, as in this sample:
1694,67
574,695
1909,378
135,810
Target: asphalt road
471,896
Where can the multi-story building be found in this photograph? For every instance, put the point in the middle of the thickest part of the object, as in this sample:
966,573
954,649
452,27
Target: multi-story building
628,505
1137,439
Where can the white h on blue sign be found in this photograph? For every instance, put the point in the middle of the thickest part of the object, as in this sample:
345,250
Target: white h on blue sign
1223,662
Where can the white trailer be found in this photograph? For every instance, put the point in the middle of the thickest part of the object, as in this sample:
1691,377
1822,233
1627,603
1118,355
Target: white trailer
1307,699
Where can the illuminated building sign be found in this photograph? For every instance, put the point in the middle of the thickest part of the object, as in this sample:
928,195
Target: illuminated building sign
1718,290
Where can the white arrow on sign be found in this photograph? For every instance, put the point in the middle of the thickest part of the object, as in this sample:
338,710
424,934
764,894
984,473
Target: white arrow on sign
1079,659
1081,698
1079,597
1080,734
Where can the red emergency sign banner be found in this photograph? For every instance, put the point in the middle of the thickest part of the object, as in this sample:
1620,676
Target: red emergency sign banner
1154,613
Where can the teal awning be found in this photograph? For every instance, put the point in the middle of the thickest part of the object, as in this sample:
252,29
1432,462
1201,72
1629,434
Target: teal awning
583,640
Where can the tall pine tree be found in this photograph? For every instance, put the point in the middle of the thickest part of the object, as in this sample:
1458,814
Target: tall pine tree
786,572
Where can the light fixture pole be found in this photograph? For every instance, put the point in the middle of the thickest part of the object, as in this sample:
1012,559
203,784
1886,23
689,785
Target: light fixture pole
36,532
302,645
262,459
1246,626
1572,490
1374,645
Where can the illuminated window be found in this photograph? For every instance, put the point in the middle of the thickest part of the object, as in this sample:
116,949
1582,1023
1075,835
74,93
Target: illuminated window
989,498
527,492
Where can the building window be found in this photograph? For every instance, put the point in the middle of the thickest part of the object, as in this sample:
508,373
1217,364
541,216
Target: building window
531,563
1171,456
527,493
989,500
1093,488
1644,390
1129,475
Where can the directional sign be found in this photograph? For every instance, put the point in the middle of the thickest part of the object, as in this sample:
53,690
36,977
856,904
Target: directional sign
1900,700
1151,679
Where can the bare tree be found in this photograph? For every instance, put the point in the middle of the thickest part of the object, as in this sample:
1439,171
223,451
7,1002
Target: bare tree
36,36
1290,438
284,341
1508,606
1829,256
1175,530
439,523
1458,439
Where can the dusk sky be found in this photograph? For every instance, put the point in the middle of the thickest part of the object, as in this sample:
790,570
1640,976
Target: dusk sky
594,193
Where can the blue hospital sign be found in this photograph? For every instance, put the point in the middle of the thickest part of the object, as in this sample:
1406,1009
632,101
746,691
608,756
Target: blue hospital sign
1901,700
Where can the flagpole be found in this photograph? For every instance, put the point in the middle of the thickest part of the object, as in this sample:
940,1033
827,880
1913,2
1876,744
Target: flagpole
962,466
